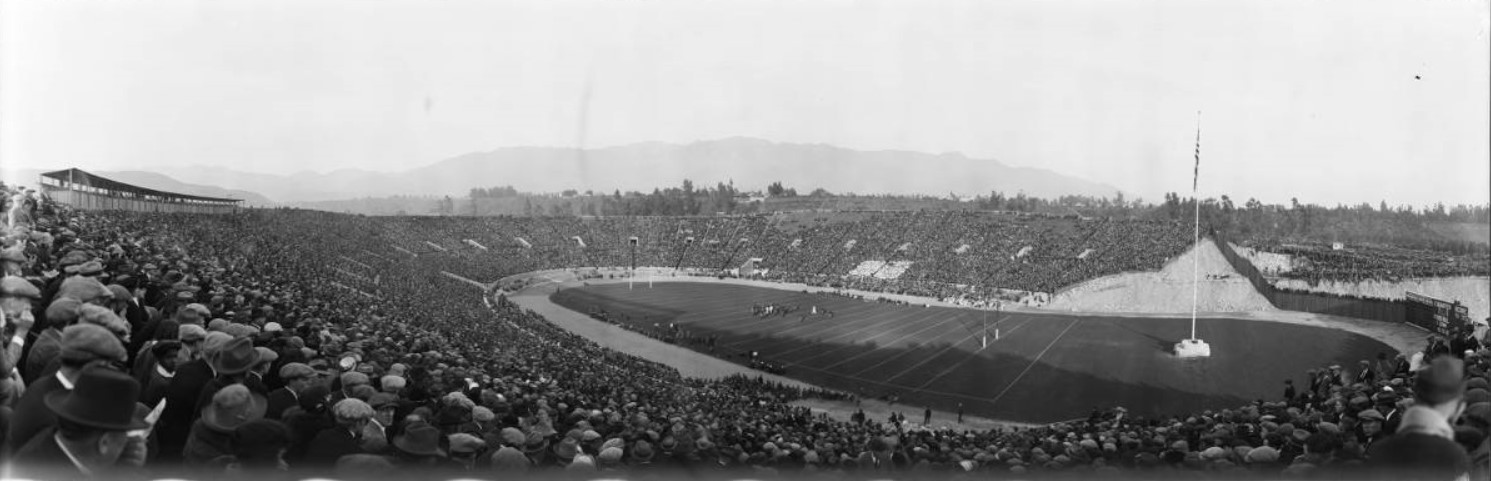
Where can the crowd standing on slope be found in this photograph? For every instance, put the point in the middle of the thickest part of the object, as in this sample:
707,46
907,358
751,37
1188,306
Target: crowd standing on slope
270,341
1316,262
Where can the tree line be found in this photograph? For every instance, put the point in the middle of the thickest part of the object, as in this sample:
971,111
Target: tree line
1401,225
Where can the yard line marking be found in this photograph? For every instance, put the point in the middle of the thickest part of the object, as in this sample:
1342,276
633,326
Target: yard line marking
750,325
892,317
817,327
732,307
971,356
940,352
919,364
727,314
889,318
888,344
1036,360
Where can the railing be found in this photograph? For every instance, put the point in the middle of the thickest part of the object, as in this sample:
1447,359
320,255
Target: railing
96,201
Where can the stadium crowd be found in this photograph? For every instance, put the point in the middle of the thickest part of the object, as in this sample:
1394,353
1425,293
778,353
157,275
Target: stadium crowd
971,258
1316,262
273,342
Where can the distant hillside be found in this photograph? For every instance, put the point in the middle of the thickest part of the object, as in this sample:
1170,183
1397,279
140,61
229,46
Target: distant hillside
150,180
1465,231
750,163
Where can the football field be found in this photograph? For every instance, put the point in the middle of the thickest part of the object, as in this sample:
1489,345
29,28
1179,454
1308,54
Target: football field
1042,367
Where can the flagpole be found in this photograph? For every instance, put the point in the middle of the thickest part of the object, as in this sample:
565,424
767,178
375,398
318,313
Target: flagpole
1196,246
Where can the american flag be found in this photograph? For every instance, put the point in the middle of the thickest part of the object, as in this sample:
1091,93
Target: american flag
1196,174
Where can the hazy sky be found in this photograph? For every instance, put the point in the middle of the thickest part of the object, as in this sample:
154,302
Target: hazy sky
1317,100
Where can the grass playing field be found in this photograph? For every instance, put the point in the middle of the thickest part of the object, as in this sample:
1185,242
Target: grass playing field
1043,368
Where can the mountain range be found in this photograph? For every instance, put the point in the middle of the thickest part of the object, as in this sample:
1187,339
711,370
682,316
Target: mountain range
750,163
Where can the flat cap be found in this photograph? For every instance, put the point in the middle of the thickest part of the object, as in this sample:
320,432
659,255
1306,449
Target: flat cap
296,370
13,286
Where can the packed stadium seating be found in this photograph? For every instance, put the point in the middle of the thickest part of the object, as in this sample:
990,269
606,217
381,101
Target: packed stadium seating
822,253
416,375
1314,261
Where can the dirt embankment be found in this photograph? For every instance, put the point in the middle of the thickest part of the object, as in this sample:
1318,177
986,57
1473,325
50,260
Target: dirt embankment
1220,288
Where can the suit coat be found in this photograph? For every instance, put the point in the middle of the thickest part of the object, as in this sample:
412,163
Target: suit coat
138,317
205,445
331,444
1422,455
147,334
31,415
41,458
280,400
155,387
181,407
255,383
304,427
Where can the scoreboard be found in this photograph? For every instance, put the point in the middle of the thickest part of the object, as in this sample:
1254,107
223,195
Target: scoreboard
1437,315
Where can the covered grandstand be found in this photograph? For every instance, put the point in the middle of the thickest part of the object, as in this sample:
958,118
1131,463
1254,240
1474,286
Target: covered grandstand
87,191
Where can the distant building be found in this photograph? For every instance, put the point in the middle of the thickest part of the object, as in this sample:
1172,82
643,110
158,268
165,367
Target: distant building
748,198
83,190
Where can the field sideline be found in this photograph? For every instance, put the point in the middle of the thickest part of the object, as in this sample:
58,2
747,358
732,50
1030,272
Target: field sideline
1044,367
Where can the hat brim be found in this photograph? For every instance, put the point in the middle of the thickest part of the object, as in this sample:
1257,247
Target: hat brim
562,455
216,363
402,443
54,401
218,421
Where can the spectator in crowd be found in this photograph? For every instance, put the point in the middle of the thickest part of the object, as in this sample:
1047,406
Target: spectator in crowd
211,438
259,449
181,397
62,313
1425,442
306,420
158,379
84,347
91,436
297,377
351,416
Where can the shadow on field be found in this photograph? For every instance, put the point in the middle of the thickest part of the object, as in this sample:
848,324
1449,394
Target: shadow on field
1083,363
1158,344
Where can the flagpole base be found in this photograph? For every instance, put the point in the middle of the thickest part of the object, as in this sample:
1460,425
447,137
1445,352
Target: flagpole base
1192,348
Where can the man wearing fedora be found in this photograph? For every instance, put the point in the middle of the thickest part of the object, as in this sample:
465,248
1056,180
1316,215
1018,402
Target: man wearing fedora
418,448
182,395
232,365
213,433
84,347
93,432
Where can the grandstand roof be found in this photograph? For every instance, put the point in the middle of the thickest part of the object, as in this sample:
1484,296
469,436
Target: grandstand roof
80,177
